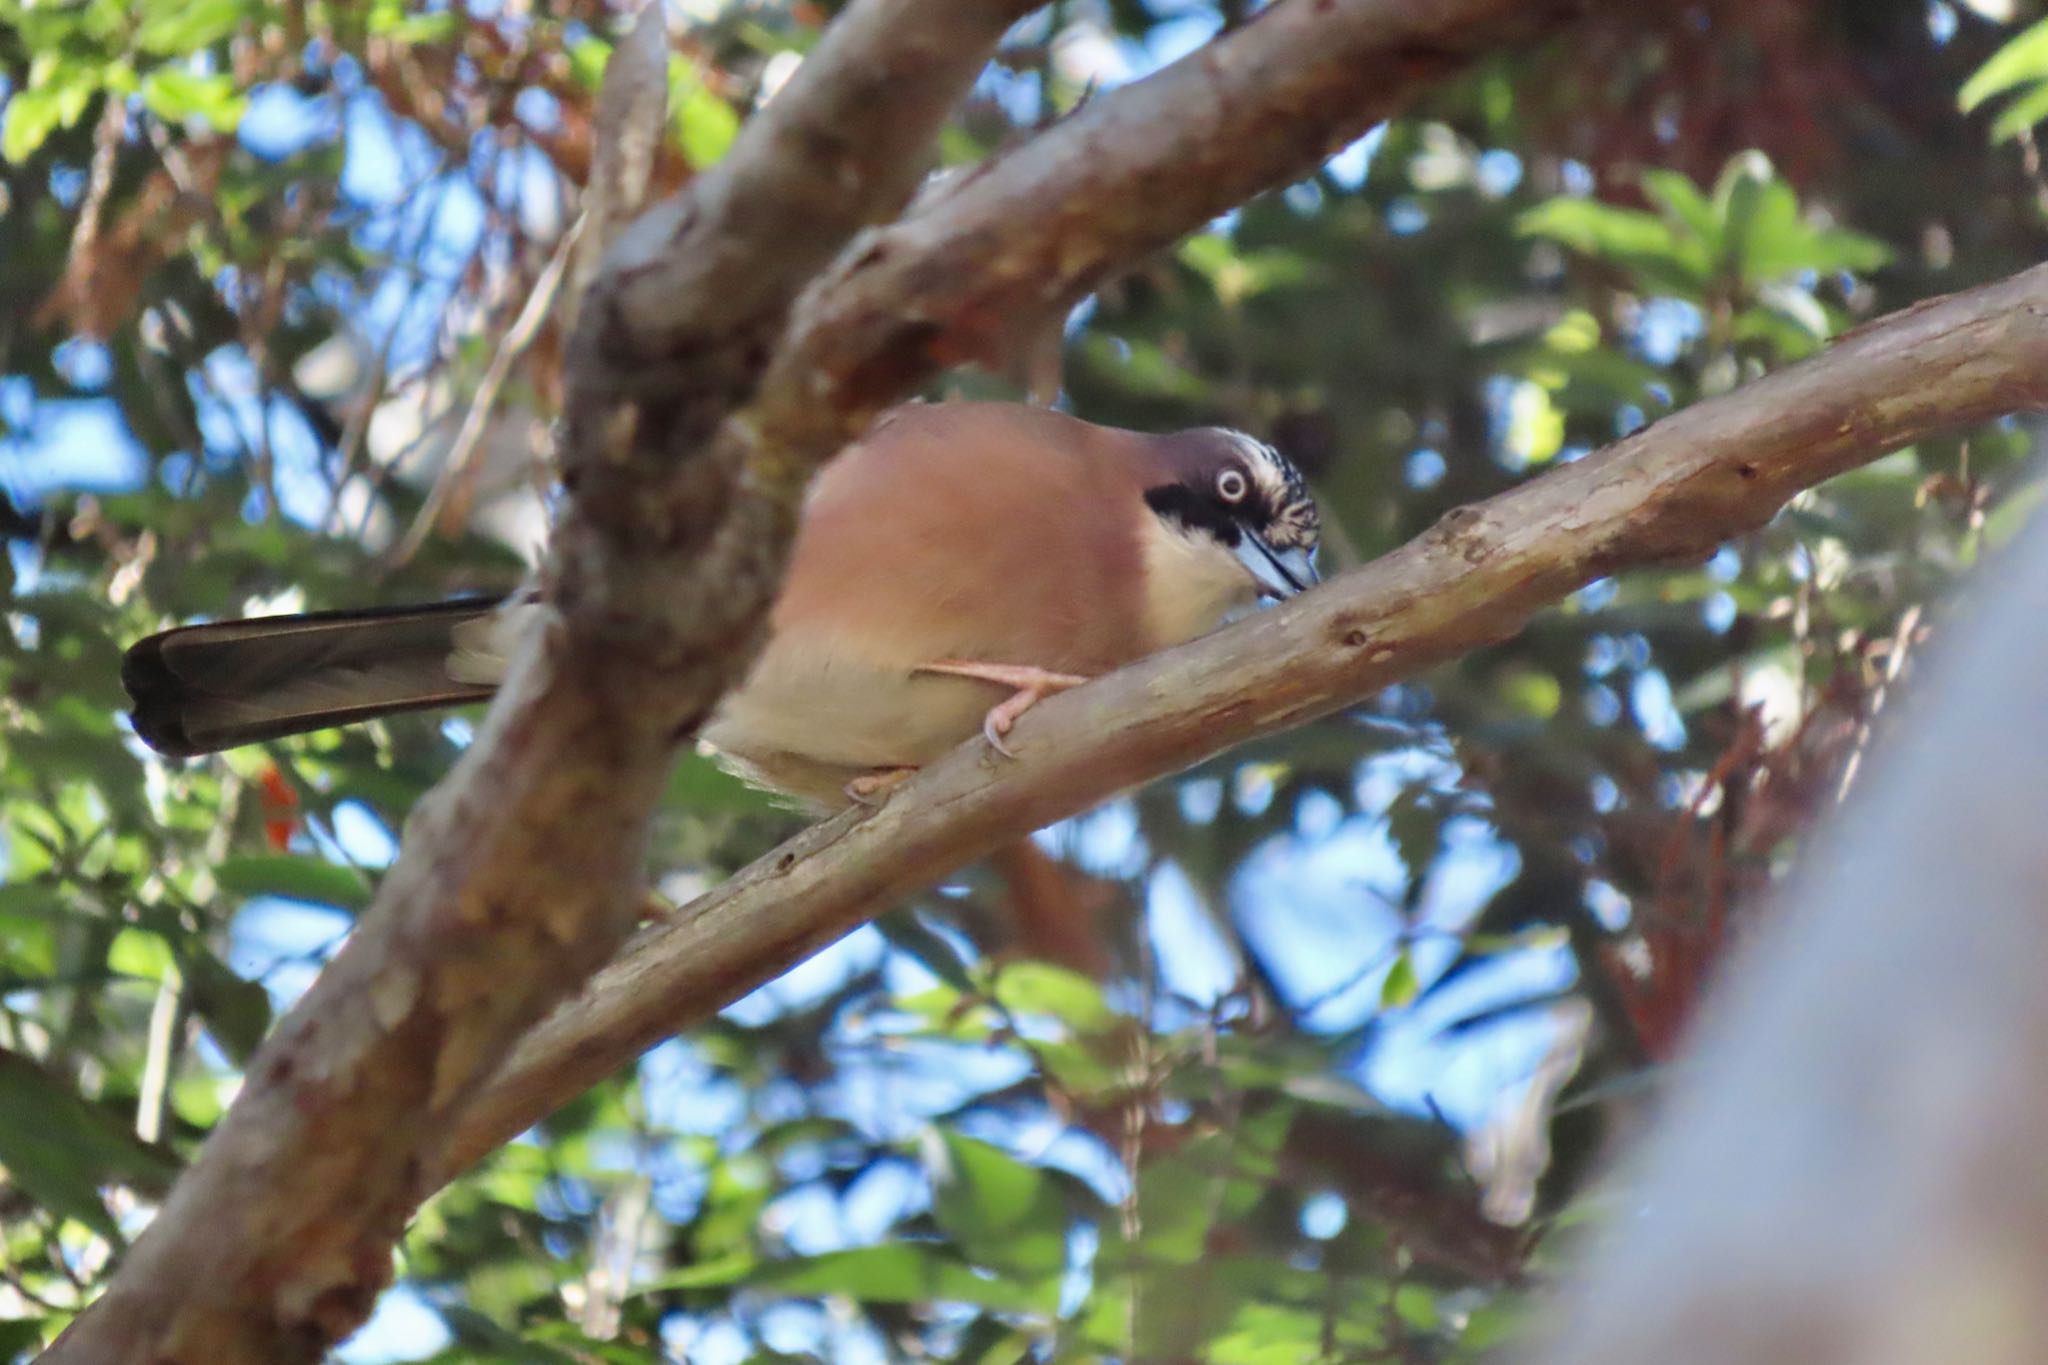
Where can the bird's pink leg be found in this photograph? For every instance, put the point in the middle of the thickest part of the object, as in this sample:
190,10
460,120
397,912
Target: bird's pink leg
1033,686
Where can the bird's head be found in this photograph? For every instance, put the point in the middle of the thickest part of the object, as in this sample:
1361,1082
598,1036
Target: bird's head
1243,495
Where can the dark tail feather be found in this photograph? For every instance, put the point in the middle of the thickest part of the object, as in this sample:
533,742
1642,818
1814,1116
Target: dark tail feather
202,688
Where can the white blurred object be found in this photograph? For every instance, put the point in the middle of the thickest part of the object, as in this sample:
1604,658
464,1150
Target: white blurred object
1508,1154
1086,54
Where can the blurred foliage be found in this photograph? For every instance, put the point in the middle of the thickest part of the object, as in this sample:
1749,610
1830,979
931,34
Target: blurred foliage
1298,1057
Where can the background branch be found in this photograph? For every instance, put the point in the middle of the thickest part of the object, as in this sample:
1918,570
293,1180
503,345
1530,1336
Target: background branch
1672,491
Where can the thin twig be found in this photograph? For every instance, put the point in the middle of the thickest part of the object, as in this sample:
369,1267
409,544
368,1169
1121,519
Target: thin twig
456,486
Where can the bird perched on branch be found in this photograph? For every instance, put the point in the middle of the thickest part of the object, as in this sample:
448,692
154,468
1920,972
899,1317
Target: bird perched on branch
959,563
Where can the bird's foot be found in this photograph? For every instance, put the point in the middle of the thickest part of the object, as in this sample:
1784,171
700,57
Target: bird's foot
870,789
1033,686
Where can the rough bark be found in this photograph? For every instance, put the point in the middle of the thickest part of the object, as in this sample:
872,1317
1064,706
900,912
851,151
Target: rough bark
521,872
1851,1167
1673,491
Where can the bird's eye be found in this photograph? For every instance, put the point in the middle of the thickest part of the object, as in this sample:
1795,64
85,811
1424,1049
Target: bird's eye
1231,485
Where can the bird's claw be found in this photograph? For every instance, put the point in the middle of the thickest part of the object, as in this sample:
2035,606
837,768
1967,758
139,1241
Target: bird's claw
872,789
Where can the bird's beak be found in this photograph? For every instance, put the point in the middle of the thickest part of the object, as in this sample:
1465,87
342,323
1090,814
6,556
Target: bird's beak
1280,573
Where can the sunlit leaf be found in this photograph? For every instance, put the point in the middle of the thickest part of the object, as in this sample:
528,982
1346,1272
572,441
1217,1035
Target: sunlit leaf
2022,60
1400,987
173,28
139,953
2022,114
705,124
1042,988
174,95
32,114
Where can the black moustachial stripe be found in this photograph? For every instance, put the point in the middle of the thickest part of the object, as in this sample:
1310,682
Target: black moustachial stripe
1193,510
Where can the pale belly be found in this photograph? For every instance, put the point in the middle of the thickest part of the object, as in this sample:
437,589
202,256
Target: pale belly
808,721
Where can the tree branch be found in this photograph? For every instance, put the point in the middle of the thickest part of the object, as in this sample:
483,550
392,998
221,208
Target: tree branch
1670,492
987,258
520,872
1852,1161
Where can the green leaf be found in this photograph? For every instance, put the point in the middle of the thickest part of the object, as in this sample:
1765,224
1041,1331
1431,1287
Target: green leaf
1765,235
979,1186
178,28
406,29
1078,1069
906,1273
56,101
2021,115
236,1009
1641,243
21,1336
704,1275
475,1332
1401,986
1143,366
1798,307
2023,59
698,785
1840,249
1235,274
1598,229
705,124
1001,1211
1532,692
139,953
175,95
1681,199
62,1149
294,877
1042,988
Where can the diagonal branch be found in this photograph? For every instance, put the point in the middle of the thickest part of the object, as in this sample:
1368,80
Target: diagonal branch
1670,492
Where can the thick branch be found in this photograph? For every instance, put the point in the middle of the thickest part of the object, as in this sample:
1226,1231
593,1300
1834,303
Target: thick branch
982,259
1671,492
520,873
1851,1169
